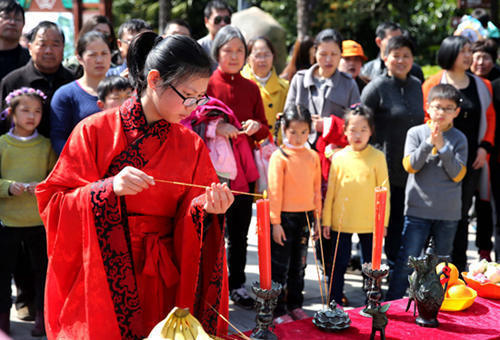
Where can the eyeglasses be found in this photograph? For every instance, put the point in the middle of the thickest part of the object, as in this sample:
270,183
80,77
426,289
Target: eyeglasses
127,42
262,56
443,109
190,101
5,17
226,18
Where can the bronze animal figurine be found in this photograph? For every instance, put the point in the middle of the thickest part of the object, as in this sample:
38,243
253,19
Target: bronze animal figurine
379,320
425,289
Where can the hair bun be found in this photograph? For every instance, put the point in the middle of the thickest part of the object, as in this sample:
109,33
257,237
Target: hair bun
137,54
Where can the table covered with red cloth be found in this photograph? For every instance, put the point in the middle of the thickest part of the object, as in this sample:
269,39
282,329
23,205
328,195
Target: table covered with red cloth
479,321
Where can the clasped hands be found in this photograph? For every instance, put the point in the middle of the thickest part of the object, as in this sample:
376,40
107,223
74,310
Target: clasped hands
436,139
131,181
18,188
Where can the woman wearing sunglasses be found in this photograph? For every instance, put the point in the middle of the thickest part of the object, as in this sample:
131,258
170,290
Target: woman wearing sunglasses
125,247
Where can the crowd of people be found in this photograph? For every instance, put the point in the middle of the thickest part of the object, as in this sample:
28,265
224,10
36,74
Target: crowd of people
95,232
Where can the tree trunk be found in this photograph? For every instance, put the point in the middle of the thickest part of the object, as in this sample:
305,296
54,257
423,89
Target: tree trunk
305,9
164,15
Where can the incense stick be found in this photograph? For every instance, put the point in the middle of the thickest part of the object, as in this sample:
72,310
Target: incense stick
204,187
336,248
240,333
333,264
322,253
316,262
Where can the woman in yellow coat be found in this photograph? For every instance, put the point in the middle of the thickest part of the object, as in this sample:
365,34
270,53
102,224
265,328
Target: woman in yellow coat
259,68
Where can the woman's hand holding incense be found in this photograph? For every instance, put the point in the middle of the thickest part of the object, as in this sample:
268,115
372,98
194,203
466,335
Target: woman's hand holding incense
131,181
219,199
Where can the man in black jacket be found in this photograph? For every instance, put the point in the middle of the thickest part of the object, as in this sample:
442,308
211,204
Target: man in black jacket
12,55
43,72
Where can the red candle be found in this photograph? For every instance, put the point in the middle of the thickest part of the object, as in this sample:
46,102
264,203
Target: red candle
378,232
264,239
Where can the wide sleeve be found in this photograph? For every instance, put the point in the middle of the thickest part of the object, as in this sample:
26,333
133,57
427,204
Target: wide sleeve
275,186
61,118
76,286
200,251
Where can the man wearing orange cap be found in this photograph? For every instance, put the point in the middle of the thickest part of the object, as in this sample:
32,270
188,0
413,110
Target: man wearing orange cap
353,58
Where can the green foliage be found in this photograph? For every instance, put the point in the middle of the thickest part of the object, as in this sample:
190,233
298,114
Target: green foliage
429,70
428,21
285,12
124,10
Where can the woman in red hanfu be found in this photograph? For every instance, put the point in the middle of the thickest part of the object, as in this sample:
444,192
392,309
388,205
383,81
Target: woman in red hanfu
124,249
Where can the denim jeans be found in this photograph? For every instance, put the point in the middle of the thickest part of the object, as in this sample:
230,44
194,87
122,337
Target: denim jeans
415,233
288,262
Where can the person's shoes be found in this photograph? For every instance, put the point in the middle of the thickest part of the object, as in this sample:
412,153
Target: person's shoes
39,328
484,254
241,298
298,314
24,313
285,318
5,322
345,302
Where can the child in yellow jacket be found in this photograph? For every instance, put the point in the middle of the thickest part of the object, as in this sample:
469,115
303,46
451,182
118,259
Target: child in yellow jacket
349,205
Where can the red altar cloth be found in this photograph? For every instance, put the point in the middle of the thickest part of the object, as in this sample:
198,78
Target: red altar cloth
479,321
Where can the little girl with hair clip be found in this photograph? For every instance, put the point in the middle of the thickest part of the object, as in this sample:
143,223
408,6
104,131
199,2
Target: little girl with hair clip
26,158
349,205
295,200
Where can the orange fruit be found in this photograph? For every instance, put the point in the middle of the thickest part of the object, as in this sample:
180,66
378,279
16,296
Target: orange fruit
453,274
459,282
459,291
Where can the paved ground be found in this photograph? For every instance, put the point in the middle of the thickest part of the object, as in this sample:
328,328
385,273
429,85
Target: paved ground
245,320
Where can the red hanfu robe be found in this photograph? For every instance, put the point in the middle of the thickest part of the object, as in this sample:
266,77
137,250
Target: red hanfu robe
117,265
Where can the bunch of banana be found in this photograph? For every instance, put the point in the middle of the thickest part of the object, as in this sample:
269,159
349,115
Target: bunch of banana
179,325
